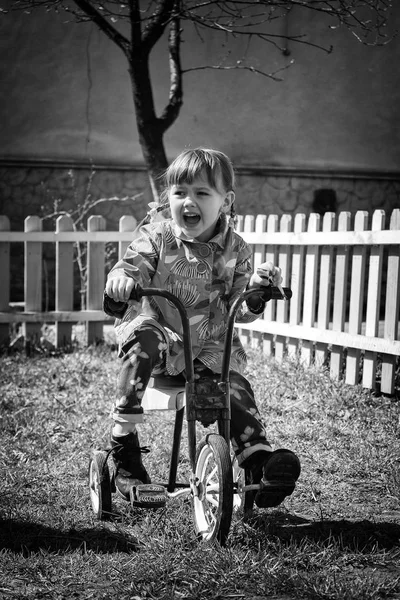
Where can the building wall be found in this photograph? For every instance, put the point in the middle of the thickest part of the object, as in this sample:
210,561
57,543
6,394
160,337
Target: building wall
65,94
332,123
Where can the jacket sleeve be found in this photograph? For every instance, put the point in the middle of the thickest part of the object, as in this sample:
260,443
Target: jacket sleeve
141,257
139,262
241,279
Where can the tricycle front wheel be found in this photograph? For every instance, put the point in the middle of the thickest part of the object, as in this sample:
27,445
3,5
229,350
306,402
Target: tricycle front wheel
213,489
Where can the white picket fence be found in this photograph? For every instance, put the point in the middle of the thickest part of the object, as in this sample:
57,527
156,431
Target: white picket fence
346,292
344,312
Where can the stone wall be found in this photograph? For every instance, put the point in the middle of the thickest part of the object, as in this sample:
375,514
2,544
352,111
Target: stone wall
42,189
279,192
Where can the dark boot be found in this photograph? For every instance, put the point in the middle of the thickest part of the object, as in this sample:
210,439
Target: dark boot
277,473
129,469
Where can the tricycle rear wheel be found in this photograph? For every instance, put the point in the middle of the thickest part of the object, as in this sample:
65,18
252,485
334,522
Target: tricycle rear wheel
100,485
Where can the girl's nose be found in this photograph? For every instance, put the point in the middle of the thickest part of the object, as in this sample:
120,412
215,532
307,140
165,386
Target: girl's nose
188,199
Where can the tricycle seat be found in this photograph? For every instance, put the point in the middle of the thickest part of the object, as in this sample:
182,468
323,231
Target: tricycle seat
164,393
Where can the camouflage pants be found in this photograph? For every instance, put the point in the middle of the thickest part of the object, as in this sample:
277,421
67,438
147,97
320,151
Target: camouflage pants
145,353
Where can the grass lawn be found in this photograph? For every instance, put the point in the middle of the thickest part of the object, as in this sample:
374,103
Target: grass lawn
336,537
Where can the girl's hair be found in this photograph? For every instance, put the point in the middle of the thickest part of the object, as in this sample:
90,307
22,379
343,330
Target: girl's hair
191,163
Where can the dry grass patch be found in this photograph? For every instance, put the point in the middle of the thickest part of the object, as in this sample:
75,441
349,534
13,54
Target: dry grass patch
337,537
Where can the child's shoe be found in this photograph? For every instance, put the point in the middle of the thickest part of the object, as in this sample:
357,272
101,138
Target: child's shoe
129,469
277,473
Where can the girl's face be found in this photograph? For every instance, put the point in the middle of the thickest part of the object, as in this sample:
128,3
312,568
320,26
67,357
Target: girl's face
196,207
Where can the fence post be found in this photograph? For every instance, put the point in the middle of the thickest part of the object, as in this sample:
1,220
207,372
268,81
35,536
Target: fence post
5,281
64,281
340,295
324,290
269,313
310,288
356,299
282,308
126,223
296,283
246,336
258,259
95,278
373,301
391,307
33,277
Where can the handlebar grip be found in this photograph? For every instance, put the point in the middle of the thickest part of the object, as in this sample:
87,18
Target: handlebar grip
136,293
277,294
274,293
117,309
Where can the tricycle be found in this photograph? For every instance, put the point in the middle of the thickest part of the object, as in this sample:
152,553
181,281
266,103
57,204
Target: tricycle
216,484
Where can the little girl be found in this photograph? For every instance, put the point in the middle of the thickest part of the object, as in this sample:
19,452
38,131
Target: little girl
197,256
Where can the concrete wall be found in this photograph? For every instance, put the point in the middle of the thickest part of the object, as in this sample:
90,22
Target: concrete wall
65,94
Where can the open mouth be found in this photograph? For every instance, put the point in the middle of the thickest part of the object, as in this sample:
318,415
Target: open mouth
191,218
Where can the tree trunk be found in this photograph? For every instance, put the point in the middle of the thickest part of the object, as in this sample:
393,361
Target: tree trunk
151,141
150,128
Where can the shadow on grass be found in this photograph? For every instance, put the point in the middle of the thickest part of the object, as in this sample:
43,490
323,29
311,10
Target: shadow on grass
365,536
361,536
26,538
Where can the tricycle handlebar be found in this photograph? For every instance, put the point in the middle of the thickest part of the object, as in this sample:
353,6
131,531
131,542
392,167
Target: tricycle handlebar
265,293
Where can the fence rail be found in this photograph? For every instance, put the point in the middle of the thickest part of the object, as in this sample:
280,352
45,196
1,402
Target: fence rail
344,273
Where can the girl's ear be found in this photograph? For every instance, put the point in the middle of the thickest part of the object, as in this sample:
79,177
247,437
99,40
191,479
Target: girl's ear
228,201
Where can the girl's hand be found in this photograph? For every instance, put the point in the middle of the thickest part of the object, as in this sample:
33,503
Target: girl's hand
120,288
266,274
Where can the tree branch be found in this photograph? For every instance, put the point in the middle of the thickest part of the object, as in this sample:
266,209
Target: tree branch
110,31
239,66
136,28
157,23
237,17
171,112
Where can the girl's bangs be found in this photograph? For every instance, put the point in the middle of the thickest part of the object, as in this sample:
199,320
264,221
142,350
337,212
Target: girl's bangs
187,169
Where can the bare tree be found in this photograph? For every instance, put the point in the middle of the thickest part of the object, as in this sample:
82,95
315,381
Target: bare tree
83,205
137,26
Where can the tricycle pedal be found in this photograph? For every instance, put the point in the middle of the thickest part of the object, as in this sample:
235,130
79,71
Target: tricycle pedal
276,484
148,495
